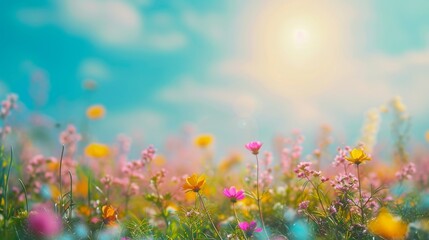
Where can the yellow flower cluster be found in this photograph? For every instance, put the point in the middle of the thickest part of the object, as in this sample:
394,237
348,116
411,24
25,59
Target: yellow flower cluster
97,150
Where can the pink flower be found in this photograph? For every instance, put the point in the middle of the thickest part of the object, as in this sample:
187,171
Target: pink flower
148,154
249,228
304,204
324,179
233,194
44,222
254,147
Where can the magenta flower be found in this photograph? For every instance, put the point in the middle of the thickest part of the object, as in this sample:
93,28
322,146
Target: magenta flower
233,194
44,222
254,147
249,228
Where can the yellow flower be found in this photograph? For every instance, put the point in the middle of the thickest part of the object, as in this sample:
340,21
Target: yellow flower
427,136
97,150
95,112
194,183
388,226
109,215
358,156
230,162
159,160
203,140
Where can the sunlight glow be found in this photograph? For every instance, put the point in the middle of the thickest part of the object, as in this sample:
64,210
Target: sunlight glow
300,36
297,48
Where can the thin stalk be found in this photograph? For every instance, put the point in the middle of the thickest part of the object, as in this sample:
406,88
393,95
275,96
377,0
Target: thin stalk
360,196
318,196
61,181
258,198
25,194
89,193
127,197
6,189
208,215
161,206
71,196
238,221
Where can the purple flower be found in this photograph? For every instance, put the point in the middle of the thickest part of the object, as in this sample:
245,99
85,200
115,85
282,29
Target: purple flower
233,194
254,147
249,228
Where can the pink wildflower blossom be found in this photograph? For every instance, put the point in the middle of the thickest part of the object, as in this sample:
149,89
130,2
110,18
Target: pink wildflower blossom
233,194
249,228
254,147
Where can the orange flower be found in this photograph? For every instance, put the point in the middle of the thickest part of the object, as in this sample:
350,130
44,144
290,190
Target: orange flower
109,215
358,156
84,210
388,226
203,140
81,188
194,183
97,150
95,112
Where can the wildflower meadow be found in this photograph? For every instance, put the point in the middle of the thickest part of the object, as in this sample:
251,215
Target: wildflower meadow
98,192
214,119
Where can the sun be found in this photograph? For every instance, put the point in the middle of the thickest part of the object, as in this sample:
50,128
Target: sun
296,48
300,37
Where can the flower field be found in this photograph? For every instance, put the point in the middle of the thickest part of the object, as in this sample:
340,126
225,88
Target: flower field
83,189
214,120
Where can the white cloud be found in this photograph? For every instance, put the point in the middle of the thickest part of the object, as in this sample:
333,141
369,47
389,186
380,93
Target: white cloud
117,23
107,23
92,68
165,41
207,24
110,22
136,123
189,92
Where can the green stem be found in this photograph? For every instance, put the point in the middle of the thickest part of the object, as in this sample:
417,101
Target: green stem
127,197
360,196
6,189
208,215
238,221
161,206
258,198
61,181
71,196
318,196
89,193
25,194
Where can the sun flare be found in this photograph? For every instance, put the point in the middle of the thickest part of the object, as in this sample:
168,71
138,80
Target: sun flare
300,36
297,47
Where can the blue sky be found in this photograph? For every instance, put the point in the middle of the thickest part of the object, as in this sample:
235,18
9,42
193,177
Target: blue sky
238,69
